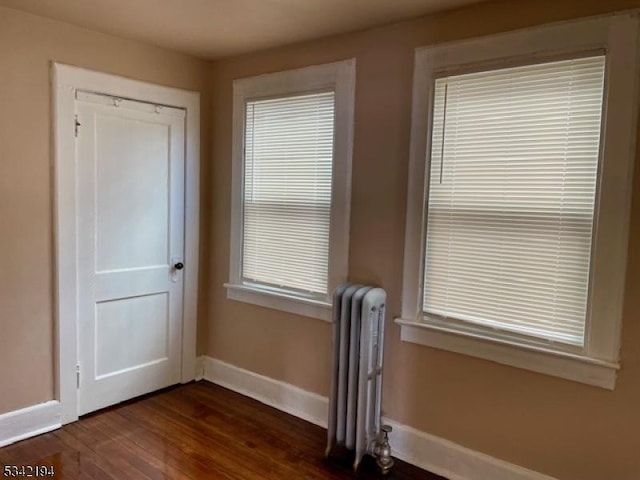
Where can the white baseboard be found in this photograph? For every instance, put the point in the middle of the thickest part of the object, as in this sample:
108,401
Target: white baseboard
200,361
29,422
421,449
283,396
451,460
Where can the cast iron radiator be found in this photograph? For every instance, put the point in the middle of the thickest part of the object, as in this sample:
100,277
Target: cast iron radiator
356,374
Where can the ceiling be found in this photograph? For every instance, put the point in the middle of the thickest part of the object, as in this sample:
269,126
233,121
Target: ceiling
218,28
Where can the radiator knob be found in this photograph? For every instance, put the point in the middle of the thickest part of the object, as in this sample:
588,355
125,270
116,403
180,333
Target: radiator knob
383,450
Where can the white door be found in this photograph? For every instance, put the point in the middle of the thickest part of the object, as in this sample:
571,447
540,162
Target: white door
130,190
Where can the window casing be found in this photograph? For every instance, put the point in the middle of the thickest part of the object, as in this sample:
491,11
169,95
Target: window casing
291,186
558,312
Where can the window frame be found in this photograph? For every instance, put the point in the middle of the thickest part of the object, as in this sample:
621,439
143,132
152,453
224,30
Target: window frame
340,78
597,362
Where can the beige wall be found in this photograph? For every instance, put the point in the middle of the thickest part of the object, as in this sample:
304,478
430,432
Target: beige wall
27,46
558,427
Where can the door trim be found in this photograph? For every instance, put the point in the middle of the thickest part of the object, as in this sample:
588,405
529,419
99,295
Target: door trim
66,80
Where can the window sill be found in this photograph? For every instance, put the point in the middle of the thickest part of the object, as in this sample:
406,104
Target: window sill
538,359
279,301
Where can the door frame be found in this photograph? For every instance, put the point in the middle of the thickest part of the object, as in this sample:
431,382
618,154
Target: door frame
66,80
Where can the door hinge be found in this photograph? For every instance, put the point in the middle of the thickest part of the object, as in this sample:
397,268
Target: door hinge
77,376
77,124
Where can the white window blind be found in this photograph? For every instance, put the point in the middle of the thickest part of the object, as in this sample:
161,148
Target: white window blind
514,163
287,191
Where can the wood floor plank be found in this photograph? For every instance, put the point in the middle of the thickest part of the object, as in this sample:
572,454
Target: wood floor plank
277,459
153,466
106,455
287,441
190,443
198,431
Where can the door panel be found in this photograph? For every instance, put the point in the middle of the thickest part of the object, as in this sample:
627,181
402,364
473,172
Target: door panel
132,194
131,332
131,230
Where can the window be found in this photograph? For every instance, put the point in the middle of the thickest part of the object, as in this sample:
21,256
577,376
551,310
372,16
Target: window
292,157
512,184
287,192
516,242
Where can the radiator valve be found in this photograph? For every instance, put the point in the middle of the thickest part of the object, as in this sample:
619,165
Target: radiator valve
383,450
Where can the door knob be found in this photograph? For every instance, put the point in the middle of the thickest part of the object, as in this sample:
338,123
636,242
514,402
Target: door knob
179,266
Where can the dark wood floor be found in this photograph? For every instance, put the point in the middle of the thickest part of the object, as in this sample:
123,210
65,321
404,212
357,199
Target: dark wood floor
195,431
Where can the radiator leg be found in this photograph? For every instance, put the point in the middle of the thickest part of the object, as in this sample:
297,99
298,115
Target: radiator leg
356,463
382,450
